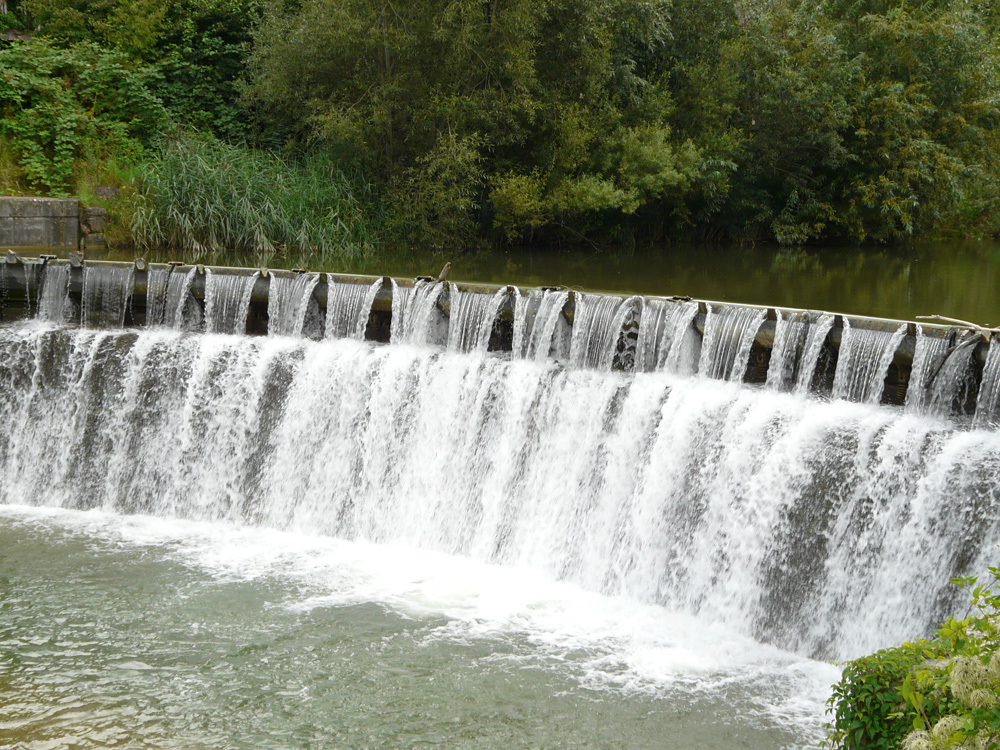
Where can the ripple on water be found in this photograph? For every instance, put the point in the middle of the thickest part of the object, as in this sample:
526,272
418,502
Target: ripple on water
140,632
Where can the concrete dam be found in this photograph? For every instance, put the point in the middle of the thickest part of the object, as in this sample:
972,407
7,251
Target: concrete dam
810,479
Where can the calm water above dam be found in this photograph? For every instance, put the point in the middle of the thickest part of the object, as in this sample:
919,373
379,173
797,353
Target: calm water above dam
956,279
307,539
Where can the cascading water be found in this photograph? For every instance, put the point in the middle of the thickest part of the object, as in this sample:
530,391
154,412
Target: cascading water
988,402
597,326
227,301
729,335
540,330
525,312
649,348
826,526
790,332
951,383
798,343
415,315
471,318
348,308
863,360
811,351
106,295
665,330
928,356
157,281
54,305
180,309
288,303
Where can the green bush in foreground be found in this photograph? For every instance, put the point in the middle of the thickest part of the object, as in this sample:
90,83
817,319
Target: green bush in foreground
942,694
199,194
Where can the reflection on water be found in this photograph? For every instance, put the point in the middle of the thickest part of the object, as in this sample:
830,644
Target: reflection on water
953,279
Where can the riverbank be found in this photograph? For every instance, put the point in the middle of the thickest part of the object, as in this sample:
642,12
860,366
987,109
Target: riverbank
692,120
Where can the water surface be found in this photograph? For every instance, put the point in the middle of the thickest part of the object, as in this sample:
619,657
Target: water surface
143,632
955,279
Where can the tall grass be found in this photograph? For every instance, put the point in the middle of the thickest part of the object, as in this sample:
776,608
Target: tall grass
198,194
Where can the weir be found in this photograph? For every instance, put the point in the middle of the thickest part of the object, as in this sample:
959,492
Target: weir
809,478
935,368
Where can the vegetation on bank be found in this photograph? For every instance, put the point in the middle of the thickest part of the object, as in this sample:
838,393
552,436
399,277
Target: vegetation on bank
199,194
939,694
345,125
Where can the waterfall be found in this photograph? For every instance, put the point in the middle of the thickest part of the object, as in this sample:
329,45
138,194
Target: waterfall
652,325
597,326
471,318
525,311
729,335
157,281
790,332
811,351
863,361
928,357
54,304
227,301
107,293
798,342
950,386
540,330
665,330
415,315
988,402
288,302
180,309
819,525
348,307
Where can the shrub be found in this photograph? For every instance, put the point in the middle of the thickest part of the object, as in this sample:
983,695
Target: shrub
942,694
57,105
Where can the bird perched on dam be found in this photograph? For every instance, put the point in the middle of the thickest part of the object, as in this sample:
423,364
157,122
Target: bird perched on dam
443,276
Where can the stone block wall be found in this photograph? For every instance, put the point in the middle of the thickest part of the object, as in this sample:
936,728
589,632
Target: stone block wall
39,222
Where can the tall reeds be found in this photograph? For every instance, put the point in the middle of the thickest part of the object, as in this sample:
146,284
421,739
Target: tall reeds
200,194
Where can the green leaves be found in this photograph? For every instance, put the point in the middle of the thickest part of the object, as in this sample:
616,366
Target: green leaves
58,104
941,694
869,120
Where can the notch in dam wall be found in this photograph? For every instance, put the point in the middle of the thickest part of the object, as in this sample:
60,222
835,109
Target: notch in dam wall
39,222
948,370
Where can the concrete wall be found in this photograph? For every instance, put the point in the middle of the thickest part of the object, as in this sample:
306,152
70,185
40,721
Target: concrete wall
39,222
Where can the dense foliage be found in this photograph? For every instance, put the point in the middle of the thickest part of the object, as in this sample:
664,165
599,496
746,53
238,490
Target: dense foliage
941,694
531,120
60,105
797,120
198,194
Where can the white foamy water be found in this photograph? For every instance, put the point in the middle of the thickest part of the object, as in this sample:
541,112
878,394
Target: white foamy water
827,528
606,644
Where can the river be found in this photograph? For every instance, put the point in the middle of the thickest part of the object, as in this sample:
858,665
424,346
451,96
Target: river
215,540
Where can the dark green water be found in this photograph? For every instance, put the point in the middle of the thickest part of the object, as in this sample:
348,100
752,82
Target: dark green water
960,280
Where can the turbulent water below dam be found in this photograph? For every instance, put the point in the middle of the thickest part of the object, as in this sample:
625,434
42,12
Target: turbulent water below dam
218,540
